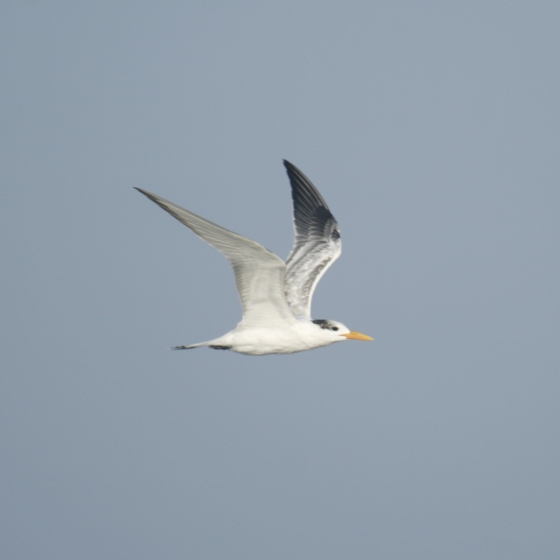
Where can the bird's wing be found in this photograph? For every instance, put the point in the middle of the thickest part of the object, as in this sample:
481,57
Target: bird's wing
259,274
316,246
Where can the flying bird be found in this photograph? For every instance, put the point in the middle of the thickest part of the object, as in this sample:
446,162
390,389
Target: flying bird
276,295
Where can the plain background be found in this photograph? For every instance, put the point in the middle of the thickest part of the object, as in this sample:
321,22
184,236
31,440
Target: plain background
431,129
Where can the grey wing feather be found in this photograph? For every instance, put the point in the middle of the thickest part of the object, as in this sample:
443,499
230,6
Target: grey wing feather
259,273
316,246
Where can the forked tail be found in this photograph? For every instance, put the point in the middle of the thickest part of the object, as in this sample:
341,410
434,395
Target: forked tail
209,344
189,346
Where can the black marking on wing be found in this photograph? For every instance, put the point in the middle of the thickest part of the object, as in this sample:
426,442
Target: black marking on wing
220,347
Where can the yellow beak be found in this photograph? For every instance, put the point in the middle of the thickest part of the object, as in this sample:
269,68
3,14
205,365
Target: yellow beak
357,336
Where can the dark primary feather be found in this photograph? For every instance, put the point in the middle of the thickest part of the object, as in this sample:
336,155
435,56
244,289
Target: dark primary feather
312,217
307,200
316,245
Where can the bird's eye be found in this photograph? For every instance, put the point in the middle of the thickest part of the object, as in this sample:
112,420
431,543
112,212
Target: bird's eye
334,328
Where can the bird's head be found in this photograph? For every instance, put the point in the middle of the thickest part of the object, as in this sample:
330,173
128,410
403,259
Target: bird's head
339,330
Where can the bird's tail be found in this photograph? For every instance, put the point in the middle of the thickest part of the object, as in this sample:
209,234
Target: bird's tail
189,346
214,344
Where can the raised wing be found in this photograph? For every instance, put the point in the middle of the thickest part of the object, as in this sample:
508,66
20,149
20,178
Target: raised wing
316,246
259,274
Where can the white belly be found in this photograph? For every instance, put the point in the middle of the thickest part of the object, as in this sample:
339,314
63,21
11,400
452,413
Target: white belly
259,341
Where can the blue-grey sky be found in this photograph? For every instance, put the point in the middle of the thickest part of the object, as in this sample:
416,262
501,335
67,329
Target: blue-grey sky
431,129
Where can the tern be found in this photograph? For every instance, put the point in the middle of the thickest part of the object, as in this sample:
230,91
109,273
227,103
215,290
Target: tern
276,295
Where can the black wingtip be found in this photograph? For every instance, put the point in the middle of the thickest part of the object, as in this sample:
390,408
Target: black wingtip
304,193
288,165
